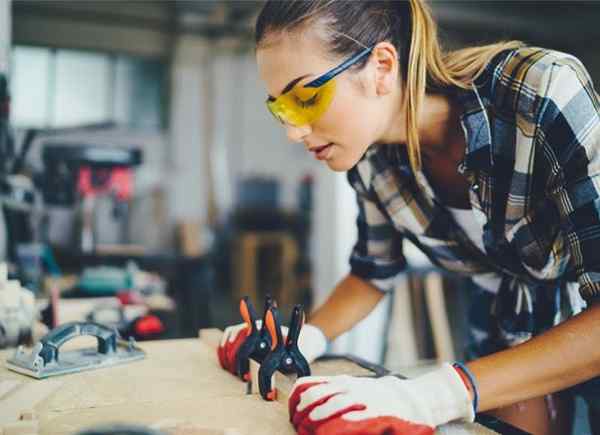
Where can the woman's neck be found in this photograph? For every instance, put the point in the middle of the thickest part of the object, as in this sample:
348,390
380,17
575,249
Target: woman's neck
440,133
439,127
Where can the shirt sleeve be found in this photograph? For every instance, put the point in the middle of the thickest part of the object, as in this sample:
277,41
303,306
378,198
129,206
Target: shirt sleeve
377,255
569,132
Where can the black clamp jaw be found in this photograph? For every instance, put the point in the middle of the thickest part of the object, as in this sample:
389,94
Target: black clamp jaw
258,343
285,355
267,347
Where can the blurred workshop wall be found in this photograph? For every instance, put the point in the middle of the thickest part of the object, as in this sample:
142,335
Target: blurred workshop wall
5,35
190,130
217,130
220,130
5,46
104,63
142,28
569,26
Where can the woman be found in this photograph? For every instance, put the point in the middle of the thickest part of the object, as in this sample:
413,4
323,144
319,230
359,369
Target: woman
487,159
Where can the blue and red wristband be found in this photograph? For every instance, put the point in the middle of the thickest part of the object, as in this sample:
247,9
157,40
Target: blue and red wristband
467,376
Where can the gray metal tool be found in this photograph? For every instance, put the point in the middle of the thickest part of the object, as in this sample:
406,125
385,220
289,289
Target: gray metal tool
45,360
120,429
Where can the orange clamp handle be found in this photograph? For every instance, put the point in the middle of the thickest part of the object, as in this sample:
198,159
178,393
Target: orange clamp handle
245,313
270,323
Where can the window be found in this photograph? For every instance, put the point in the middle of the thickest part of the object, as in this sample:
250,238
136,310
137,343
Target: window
66,88
29,86
82,89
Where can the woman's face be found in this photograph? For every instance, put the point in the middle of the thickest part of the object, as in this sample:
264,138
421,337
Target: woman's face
356,117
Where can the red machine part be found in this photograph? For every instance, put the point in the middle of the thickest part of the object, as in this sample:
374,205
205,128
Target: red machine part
96,181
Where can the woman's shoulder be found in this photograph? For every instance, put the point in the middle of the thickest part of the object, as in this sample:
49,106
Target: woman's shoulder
515,77
526,63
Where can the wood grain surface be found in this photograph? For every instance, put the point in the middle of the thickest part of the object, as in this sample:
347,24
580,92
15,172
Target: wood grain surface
179,385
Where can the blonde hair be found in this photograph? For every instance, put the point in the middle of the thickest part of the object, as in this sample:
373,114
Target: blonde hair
427,63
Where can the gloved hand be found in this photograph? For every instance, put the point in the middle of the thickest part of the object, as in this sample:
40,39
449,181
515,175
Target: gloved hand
349,405
311,342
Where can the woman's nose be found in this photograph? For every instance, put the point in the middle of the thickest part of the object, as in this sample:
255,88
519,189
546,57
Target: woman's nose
297,133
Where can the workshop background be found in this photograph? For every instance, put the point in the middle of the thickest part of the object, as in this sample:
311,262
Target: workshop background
145,185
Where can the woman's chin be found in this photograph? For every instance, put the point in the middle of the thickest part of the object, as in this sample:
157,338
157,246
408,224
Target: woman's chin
340,165
341,159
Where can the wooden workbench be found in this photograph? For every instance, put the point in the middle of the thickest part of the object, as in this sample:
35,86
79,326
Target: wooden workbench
179,382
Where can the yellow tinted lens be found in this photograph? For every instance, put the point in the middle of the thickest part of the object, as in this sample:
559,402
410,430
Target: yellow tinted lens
286,111
301,106
272,106
306,95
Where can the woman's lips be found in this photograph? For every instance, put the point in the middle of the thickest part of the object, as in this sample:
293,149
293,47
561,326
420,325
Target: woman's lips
322,152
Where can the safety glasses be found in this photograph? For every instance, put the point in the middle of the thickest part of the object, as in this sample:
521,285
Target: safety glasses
303,105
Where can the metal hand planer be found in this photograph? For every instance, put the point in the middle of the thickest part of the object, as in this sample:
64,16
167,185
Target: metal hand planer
47,360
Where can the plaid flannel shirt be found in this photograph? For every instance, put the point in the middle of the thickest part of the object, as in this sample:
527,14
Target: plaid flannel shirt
532,127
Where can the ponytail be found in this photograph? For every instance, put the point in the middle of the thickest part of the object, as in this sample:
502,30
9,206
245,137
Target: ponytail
429,67
416,78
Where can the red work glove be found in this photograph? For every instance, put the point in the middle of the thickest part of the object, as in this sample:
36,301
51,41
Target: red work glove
232,339
311,342
346,405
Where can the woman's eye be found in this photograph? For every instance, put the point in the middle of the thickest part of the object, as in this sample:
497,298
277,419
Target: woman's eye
307,102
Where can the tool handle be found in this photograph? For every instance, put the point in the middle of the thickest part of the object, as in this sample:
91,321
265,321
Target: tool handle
296,323
274,327
265,336
248,312
269,302
51,342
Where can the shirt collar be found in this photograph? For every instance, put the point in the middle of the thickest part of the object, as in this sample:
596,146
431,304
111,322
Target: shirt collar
476,126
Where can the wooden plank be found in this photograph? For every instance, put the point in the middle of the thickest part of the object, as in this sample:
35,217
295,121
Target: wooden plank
7,386
24,399
210,336
16,405
464,429
438,315
175,428
180,381
402,347
420,318
328,368
21,428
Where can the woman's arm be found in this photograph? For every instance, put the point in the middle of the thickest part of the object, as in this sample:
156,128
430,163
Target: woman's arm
566,355
351,301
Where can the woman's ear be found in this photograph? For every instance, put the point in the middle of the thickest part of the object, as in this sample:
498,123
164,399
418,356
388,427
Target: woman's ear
385,62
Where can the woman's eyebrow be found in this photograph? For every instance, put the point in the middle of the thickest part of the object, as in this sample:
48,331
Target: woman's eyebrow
290,85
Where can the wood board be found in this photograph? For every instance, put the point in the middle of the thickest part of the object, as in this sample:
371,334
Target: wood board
284,384
179,384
